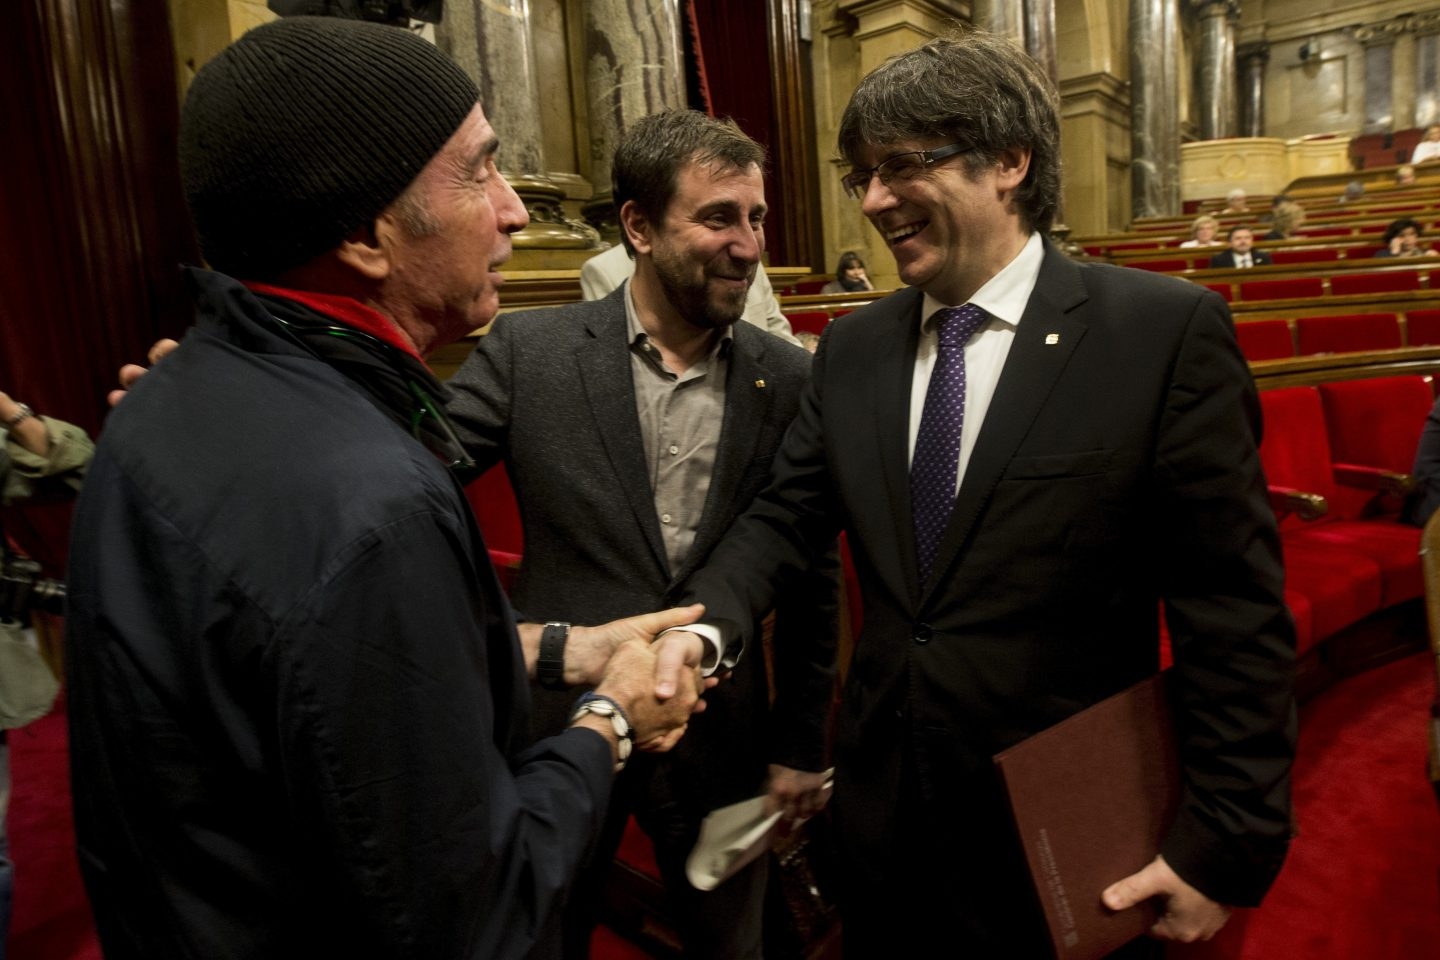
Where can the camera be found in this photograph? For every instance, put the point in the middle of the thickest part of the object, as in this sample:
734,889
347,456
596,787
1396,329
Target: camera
23,589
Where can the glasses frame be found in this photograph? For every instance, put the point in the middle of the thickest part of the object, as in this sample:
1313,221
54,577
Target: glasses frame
857,182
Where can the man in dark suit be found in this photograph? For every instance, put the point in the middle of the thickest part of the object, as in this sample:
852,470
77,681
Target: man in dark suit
1242,252
1028,456
635,429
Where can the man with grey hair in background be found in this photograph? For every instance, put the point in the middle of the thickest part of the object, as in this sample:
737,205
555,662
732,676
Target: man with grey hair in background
1029,455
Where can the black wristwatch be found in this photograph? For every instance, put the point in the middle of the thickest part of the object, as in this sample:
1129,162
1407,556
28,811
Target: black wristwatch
550,668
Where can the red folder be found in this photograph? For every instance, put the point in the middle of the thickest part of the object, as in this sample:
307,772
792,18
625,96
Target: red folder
1092,797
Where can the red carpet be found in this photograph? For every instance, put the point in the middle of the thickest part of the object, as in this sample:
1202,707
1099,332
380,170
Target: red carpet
1362,880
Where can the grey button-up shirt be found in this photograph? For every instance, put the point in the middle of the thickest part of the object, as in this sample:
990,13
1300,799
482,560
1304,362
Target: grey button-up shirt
680,420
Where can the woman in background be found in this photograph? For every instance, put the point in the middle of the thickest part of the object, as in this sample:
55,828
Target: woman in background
849,275
1202,232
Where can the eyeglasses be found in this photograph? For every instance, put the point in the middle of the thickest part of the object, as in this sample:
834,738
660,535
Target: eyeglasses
902,166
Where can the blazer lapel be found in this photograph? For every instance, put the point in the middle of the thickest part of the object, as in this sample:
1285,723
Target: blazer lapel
603,365
746,406
895,370
1034,363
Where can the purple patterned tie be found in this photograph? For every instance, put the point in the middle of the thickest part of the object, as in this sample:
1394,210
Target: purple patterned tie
937,446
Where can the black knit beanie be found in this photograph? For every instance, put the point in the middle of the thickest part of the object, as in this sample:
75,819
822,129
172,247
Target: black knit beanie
304,130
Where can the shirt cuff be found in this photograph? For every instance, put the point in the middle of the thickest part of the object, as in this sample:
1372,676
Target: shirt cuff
714,644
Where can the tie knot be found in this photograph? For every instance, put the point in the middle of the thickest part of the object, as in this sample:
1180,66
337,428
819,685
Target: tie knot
955,325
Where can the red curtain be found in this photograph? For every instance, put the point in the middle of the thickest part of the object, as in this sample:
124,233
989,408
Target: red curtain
90,207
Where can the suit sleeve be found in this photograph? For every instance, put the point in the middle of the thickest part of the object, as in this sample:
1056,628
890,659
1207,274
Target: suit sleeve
1234,641
389,690
807,622
481,393
783,534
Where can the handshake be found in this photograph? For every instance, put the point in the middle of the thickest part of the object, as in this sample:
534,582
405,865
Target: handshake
658,683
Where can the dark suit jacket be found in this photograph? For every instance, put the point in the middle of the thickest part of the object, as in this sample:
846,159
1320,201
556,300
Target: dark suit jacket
1225,259
1116,467
551,393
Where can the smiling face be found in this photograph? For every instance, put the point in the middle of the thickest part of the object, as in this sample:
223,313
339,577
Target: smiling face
949,230
449,235
704,251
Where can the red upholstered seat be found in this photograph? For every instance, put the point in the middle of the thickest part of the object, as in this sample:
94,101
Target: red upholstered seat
1161,266
1265,339
841,312
810,321
1324,231
806,287
507,567
637,851
1302,611
1294,288
1392,281
493,501
1347,333
1224,289
1295,453
1322,255
1362,253
1422,328
1374,424
1339,588
1392,546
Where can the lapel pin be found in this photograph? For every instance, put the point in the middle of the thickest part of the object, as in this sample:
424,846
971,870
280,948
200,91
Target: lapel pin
1051,339
760,384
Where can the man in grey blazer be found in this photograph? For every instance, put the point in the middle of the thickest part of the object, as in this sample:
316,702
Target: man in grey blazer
635,429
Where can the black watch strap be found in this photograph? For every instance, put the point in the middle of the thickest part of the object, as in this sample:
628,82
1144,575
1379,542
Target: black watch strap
550,669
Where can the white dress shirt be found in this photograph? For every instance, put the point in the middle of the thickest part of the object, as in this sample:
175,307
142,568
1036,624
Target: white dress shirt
1003,298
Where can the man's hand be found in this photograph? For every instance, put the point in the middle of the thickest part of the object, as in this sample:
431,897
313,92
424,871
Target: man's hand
588,649
1188,914
677,653
133,371
630,681
798,794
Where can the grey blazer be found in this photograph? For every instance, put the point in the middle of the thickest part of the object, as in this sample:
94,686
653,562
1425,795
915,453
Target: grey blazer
550,393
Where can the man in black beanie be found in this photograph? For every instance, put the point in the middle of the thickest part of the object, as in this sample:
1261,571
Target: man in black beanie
297,700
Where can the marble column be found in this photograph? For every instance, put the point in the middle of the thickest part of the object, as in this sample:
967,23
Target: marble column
1427,75
1040,36
1253,58
634,67
1215,67
1154,108
1378,39
490,40
1003,17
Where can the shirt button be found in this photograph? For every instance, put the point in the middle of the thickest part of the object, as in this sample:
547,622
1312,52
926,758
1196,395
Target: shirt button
674,449
665,518
923,633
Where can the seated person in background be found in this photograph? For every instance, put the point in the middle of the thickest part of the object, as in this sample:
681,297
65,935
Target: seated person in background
1426,497
1241,253
1235,202
1286,217
37,452
849,275
1405,176
606,271
1203,232
1402,239
1354,190
1429,146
